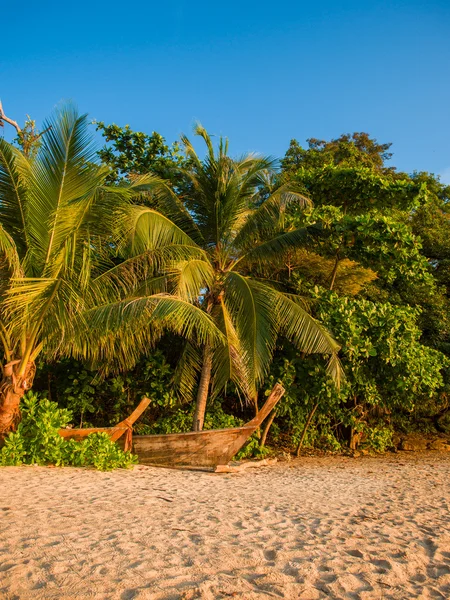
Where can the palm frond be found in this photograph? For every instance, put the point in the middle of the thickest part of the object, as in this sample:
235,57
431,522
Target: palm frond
230,362
135,322
184,319
305,332
9,257
250,307
192,278
187,371
13,192
144,229
64,179
269,218
134,274
168,203
271,249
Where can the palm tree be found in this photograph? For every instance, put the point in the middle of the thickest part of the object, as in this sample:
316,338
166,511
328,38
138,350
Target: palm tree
76,259
240,236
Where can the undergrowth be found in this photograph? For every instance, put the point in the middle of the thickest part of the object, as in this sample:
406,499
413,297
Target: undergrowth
37,441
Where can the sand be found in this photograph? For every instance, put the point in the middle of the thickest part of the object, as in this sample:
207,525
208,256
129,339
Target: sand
313,528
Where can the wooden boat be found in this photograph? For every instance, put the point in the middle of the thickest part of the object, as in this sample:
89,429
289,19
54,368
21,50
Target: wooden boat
116,432
200,449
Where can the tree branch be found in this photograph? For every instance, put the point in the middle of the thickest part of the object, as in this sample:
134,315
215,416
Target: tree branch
3,117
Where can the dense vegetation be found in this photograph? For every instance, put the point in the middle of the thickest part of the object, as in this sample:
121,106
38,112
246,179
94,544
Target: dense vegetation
201,282
37,441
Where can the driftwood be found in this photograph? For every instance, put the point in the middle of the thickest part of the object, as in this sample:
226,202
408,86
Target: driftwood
239,467
115,433
201,449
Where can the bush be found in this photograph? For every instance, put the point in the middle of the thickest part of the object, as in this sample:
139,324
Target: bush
37,441
96,401
378,438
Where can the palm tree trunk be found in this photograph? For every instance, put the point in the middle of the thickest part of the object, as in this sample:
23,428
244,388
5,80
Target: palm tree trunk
9,410
12,389
203,388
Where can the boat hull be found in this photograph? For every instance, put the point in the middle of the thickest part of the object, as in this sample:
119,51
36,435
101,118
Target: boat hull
196,449
201,449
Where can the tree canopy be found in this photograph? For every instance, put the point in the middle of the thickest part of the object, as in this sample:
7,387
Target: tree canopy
225,274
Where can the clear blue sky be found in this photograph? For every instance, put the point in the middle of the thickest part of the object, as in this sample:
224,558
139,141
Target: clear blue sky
260,73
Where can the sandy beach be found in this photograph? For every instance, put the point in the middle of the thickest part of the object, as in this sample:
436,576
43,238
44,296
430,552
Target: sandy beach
311,528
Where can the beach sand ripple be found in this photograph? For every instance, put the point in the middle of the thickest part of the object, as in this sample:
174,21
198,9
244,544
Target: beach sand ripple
340,528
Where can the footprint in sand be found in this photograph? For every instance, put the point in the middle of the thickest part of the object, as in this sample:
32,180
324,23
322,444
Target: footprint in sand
270,555
355,553
429,546
128,594
383,565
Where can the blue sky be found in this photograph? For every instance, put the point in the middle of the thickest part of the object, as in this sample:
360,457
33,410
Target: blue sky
260,73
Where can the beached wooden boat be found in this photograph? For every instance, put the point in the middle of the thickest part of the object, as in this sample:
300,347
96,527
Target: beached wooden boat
200,449
125,427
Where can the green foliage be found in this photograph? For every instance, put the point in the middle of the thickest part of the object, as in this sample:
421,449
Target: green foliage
132,153
358,189
383,358
383,243
378,438
37,441
218,253
348,150
253,449
307,384
77,255
80,394
96,401
236,237
29,138
387,370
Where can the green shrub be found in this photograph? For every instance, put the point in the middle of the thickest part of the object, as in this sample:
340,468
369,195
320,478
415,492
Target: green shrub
97,401
37,441
252,449
378,438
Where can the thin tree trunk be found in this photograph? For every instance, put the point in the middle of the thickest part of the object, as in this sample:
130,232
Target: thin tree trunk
12,390
305,429
267,427
354,437
334,272
203,388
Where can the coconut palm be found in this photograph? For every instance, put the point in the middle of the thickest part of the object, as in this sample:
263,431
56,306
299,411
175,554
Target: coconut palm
75,261
222,213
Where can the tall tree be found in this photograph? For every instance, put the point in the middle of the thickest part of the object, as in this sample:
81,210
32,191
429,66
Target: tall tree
350,150
74,259
221,211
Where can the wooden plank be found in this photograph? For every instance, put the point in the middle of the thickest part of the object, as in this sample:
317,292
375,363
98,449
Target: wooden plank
79,434
116,432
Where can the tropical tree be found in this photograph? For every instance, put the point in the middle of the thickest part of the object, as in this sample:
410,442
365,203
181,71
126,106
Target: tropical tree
129,152
75,256
238,233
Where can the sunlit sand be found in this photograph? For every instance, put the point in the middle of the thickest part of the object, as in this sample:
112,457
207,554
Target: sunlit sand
314,528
